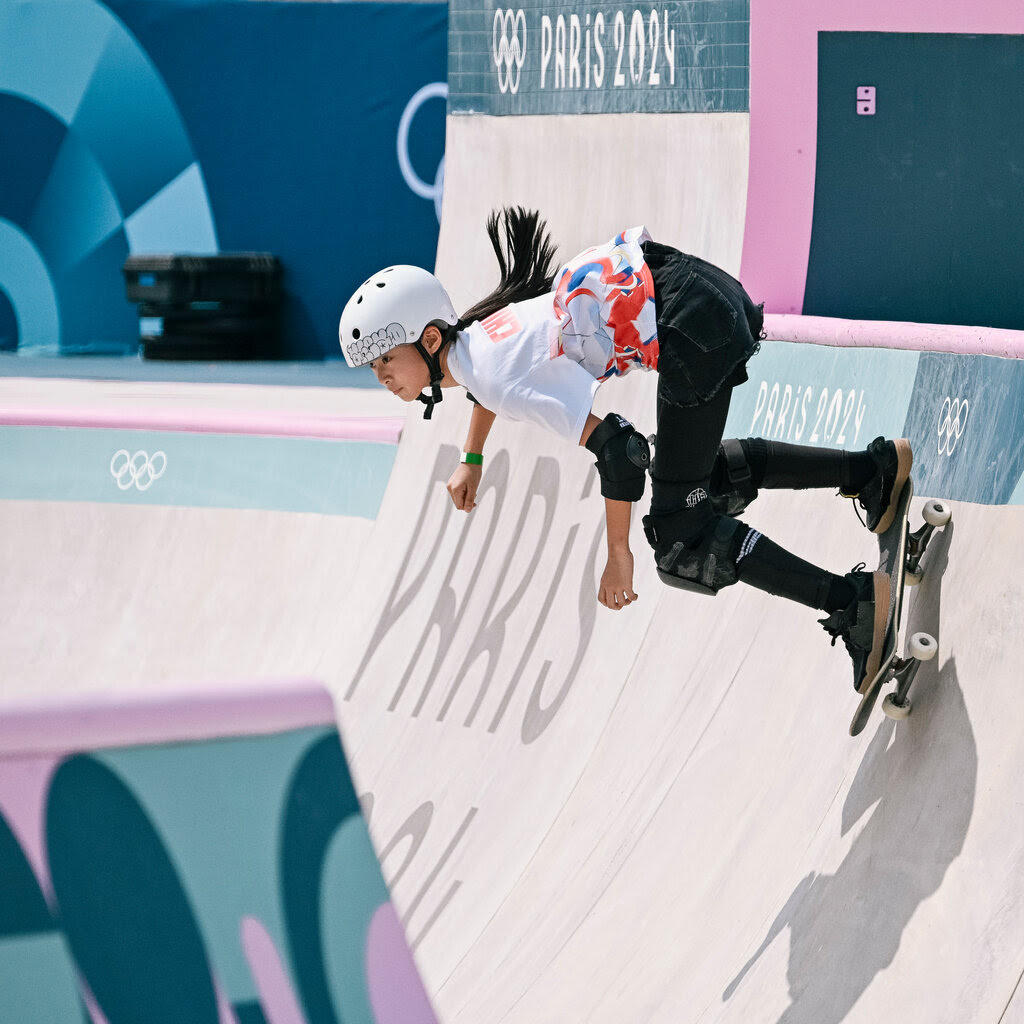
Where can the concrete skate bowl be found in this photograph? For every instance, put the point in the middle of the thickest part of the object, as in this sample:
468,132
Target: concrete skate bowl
650,816
580,815
659,815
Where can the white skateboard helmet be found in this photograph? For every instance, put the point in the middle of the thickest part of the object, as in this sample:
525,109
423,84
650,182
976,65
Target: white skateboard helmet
392,308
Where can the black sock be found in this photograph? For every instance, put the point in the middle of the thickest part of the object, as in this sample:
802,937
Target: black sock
860,468
840,594
775,464
776,571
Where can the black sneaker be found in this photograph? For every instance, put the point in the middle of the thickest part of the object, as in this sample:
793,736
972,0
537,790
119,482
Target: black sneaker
862,624
881,494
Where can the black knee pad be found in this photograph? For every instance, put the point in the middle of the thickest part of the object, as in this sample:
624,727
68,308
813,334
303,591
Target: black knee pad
702,563
732,484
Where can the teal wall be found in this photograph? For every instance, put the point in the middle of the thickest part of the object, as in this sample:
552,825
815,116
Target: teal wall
963,414
146,467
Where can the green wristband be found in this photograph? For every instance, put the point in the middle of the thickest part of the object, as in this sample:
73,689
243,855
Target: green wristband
472,459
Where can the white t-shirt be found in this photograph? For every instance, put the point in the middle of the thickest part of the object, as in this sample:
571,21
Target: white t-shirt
542,361
509,363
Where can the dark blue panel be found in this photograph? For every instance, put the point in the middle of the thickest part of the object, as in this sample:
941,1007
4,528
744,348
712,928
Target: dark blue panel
917,206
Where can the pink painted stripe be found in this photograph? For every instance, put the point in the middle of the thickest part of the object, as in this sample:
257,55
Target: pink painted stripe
821,330
163,715
387,429
396,989
278,1000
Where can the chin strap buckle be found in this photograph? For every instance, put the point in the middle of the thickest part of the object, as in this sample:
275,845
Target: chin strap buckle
436,376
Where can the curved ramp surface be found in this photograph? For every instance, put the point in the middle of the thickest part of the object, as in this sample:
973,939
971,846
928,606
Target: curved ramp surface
655,815
660,815
191,851
650,816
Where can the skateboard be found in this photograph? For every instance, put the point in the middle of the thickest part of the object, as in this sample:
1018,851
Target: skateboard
899,554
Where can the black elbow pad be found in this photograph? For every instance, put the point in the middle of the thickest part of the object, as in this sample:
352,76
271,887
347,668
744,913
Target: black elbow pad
623,458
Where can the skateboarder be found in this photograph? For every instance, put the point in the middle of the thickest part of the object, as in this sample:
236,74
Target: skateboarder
539,346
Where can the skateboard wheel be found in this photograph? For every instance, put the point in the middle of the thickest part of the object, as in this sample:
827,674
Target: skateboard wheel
913,578
937,513
922,646
894,710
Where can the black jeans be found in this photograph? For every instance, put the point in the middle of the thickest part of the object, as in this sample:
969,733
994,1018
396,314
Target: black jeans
708,326
685,453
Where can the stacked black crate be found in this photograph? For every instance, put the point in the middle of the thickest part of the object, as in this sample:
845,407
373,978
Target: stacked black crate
206,307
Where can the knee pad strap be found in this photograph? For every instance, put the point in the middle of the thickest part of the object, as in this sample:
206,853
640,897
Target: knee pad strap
734,486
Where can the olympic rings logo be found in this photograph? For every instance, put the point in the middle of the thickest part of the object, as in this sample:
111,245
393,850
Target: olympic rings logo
508,52
952,423
424,189
140,470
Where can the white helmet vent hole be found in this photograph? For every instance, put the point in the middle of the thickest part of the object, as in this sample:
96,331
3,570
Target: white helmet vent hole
355,333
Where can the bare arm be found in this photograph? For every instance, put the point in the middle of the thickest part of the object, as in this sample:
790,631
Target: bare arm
480,424
616,588
465,481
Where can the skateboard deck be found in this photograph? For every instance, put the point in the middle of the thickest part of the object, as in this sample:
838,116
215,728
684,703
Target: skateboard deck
892,558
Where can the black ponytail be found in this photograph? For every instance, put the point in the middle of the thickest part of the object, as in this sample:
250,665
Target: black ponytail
526,255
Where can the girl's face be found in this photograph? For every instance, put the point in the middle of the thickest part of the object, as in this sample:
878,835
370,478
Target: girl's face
403,372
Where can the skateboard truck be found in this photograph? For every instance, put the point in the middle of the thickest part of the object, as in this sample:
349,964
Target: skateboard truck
920,647
936,515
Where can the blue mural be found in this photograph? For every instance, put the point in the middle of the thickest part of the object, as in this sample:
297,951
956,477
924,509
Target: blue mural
96,163
293,133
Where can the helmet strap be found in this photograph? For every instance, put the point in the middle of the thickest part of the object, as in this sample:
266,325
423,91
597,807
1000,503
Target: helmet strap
436,376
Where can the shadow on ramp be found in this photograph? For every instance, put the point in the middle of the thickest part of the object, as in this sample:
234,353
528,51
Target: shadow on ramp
918,782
